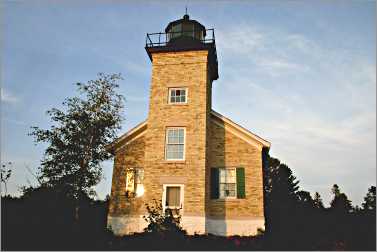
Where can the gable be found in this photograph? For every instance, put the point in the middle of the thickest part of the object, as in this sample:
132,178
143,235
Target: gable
220,120
238,131
131,135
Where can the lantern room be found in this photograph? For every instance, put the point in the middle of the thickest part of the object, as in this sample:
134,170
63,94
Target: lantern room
184,34
185,29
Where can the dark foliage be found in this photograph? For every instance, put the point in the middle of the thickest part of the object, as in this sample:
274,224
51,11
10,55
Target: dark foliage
162,223
318,201
41,220
370,200
296,221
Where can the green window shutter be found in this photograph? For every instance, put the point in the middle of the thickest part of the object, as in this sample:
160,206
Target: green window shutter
214,183
240,173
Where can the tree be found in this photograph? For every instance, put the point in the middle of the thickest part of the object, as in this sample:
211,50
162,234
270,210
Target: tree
79,136
305,199
318,203
340,202
335,190
280,187
5,175
370,200
280,181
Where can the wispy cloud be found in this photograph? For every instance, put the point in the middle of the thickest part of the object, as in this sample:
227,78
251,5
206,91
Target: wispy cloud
240,39
275,65
314,103
8,97
267,50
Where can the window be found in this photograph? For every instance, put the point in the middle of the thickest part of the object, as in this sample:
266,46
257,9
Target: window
172,198
188,29
227,186
228,183
175,31
175,144
134,182
177,95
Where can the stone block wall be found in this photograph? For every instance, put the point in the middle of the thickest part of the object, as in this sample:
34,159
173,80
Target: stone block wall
127,156
178,69
228,150
208,144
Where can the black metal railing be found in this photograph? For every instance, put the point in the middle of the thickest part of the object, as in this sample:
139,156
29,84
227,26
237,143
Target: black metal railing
162,38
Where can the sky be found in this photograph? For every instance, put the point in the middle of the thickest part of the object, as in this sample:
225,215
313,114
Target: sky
300,74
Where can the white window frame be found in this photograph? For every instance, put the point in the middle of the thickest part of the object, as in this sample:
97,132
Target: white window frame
235,183
182,195
177,88
184,143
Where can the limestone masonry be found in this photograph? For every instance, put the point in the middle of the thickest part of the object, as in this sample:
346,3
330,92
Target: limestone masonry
194,161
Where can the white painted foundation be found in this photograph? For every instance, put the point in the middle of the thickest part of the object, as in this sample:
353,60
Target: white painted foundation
192,224
229,227
125,225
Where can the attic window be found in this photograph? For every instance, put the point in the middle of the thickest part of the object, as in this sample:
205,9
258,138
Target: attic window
177,95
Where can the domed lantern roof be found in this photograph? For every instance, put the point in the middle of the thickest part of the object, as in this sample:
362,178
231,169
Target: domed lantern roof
185,28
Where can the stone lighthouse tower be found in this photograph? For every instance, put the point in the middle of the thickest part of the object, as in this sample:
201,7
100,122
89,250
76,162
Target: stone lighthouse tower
186,63
196,162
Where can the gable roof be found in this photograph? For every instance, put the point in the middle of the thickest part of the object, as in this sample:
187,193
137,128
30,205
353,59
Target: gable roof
219,119
131,134
238,130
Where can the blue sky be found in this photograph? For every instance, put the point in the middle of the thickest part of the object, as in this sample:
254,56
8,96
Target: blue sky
301,74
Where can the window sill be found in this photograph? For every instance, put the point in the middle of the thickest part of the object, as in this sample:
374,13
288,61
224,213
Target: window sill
227,199
178,104
174,161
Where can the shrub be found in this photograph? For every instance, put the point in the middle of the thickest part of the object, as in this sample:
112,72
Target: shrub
162,223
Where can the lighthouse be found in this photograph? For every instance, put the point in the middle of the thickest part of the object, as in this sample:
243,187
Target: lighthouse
195,162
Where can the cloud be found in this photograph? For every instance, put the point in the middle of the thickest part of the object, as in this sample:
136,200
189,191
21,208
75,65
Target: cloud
7,97
276,64
314,103
267,50
240,39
